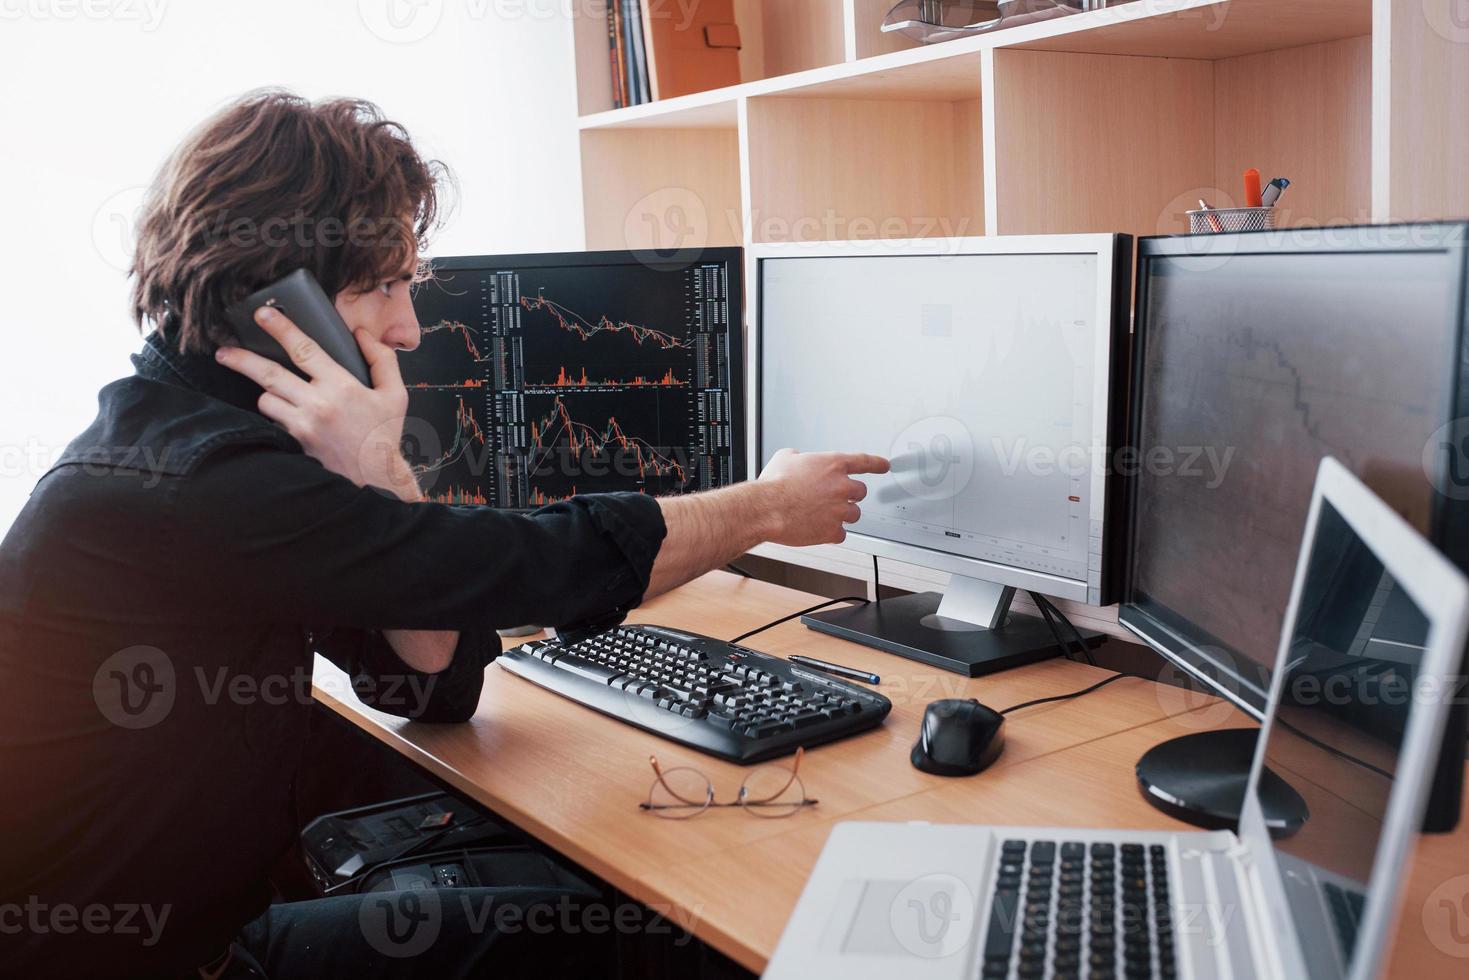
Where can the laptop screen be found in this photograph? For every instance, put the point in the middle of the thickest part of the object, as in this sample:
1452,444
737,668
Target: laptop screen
1355,659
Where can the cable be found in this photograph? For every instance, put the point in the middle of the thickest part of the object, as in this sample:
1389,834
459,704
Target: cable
1075,694
876,582
732,567
794,615
1331,750
1051,625
1086,651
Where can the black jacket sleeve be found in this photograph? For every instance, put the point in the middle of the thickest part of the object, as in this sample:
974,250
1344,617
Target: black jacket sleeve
381,679
287,538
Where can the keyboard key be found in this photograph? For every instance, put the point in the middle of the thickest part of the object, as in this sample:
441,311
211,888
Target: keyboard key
1000,936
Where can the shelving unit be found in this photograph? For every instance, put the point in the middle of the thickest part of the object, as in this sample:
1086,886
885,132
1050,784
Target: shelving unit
1112,120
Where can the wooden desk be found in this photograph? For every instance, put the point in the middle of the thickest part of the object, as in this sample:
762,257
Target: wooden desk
574,778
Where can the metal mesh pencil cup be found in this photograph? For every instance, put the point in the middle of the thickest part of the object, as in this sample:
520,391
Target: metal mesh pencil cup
1230,219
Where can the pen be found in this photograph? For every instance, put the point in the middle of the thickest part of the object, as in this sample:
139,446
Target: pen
836,669
1273,191
1213,221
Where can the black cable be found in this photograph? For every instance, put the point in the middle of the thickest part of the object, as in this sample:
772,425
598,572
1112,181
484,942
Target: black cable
1075,694
1086,651
876,582
1331,750
732,567
794,615
1051,625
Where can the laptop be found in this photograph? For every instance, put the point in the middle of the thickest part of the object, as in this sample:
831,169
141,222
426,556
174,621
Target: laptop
922,901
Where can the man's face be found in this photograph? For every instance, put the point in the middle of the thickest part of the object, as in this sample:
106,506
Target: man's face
385,311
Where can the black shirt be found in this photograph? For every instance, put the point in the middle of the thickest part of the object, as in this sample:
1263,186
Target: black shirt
161,596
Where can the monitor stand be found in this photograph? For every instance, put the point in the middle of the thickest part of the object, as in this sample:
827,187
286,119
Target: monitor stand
969,629
1201,780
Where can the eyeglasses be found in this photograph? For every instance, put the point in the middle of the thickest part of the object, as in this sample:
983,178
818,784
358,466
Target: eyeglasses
769,791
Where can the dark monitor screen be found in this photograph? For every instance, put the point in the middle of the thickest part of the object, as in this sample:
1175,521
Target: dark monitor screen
541,377
1251,366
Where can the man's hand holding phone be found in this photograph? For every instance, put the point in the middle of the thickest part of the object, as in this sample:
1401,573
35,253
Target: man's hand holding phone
352,430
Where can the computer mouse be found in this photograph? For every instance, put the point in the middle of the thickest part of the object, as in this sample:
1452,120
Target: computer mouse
958,738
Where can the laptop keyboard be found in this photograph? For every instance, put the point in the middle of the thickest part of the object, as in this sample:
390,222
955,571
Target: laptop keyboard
1066,910
1346,912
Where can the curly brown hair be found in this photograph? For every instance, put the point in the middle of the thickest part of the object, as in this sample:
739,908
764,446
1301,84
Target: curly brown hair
270,184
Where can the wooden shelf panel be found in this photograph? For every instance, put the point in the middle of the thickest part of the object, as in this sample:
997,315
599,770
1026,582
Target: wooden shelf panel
705,110
1114,155
1320,138
1202,29
662,188
824,168
948,79
865,30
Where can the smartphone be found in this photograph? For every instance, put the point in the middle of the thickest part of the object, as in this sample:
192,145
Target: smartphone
300,297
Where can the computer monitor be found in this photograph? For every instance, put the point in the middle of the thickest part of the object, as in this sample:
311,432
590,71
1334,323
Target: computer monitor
1256,355
541,377
983,367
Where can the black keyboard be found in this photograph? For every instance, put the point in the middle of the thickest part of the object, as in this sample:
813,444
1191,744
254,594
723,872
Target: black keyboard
1069,910
704,693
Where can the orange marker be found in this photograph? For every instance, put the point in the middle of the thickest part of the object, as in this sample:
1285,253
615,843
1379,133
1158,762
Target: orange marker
1252,189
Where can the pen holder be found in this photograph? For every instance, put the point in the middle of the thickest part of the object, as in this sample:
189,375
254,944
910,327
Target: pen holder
1230,219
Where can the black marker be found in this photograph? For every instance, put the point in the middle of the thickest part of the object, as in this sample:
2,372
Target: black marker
836,669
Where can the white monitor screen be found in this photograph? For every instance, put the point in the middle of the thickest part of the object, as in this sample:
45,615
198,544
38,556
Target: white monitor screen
983,378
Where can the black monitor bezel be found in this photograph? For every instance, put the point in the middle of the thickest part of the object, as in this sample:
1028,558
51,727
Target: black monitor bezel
660,261
1160,626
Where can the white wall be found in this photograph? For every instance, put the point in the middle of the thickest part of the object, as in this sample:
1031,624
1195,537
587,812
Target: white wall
95,93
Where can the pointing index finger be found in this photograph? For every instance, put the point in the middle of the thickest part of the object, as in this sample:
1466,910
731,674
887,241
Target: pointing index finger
866,463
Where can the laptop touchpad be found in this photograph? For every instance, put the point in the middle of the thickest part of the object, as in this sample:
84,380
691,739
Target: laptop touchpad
930,916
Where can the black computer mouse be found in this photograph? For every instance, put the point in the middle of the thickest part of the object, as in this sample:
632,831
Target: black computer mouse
958,738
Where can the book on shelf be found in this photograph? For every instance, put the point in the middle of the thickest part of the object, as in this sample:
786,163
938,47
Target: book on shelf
660,49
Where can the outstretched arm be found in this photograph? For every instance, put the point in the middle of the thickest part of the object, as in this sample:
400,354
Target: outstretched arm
800,499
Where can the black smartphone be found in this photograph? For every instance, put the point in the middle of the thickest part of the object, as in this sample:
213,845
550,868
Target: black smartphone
300,297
